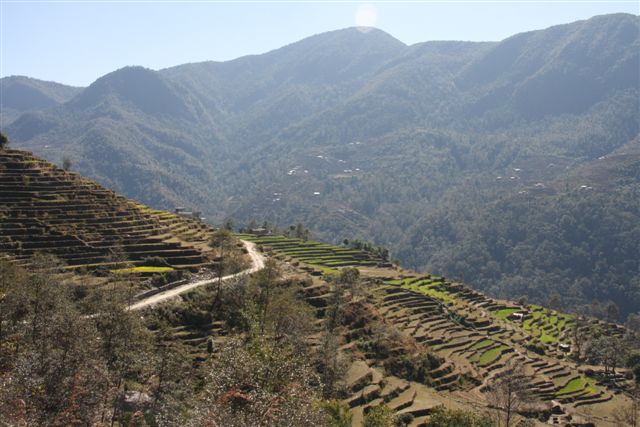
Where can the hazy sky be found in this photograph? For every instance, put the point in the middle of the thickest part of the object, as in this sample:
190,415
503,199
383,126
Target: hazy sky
75,42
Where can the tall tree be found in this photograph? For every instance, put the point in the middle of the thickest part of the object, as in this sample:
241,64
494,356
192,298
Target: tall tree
509,393
4,141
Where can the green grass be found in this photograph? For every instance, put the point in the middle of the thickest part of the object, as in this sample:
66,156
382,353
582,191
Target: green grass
481,344
405,281
504,313
430,291
572,386
321,256
546,325
490,356
547,339
591,388
143,269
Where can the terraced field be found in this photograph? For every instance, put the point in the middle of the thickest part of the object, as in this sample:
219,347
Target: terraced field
315,256
475,337
462,327
44,208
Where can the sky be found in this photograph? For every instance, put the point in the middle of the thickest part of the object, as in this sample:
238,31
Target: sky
75,42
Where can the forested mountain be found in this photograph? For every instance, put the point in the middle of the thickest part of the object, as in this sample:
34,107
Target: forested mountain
514,163
20,94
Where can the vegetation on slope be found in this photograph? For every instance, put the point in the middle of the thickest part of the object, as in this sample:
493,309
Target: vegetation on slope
357,135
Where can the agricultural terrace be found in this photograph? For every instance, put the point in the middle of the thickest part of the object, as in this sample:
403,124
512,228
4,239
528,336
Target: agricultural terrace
315,257
478,338
45,208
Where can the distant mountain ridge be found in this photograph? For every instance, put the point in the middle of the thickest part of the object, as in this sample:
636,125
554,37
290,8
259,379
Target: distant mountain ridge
358,135
20,94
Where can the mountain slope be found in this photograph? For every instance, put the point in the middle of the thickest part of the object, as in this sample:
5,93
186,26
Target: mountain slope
48,209
21,94
357,135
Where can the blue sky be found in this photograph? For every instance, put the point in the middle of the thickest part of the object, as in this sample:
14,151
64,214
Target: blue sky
75,42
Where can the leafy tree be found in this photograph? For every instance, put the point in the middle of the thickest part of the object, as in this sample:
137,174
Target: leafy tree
259,382
61,364
554,301
4,141
612,311
580,332
66,163
608,351
379,416
229,224
338,414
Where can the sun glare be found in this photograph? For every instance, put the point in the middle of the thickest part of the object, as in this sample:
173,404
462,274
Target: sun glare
366,17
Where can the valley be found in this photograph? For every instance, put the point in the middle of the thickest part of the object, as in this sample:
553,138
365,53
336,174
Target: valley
344,231
406,342
417,148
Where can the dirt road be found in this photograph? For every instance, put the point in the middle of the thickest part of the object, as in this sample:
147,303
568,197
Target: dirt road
257,263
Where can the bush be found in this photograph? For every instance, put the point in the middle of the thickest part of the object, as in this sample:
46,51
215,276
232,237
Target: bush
633,359
379,416
338,414
4,141
443,417
413,367
536,348
155,261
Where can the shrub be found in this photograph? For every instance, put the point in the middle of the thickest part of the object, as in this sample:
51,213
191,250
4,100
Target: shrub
338,414
633,359
413,367
536,348
155,261
4,141
379,416
443,417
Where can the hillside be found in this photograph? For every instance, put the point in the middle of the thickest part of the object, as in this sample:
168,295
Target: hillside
47,209
473,340
345,325
358,135
21,94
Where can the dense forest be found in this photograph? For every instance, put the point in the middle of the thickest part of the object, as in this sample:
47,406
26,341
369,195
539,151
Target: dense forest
513,164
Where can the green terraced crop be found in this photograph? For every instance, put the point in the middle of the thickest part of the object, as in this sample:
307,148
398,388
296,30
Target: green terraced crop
429,291
490,356
481,344
547,339
143,269
572,386
504,313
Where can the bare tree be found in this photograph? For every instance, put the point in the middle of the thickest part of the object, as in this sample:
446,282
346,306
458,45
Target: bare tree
580,334
509,393
266,281
633,412
630,415
222,240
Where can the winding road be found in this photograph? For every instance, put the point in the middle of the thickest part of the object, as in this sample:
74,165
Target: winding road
257,263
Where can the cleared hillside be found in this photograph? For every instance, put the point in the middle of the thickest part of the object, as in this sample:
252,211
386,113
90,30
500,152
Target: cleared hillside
46,209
